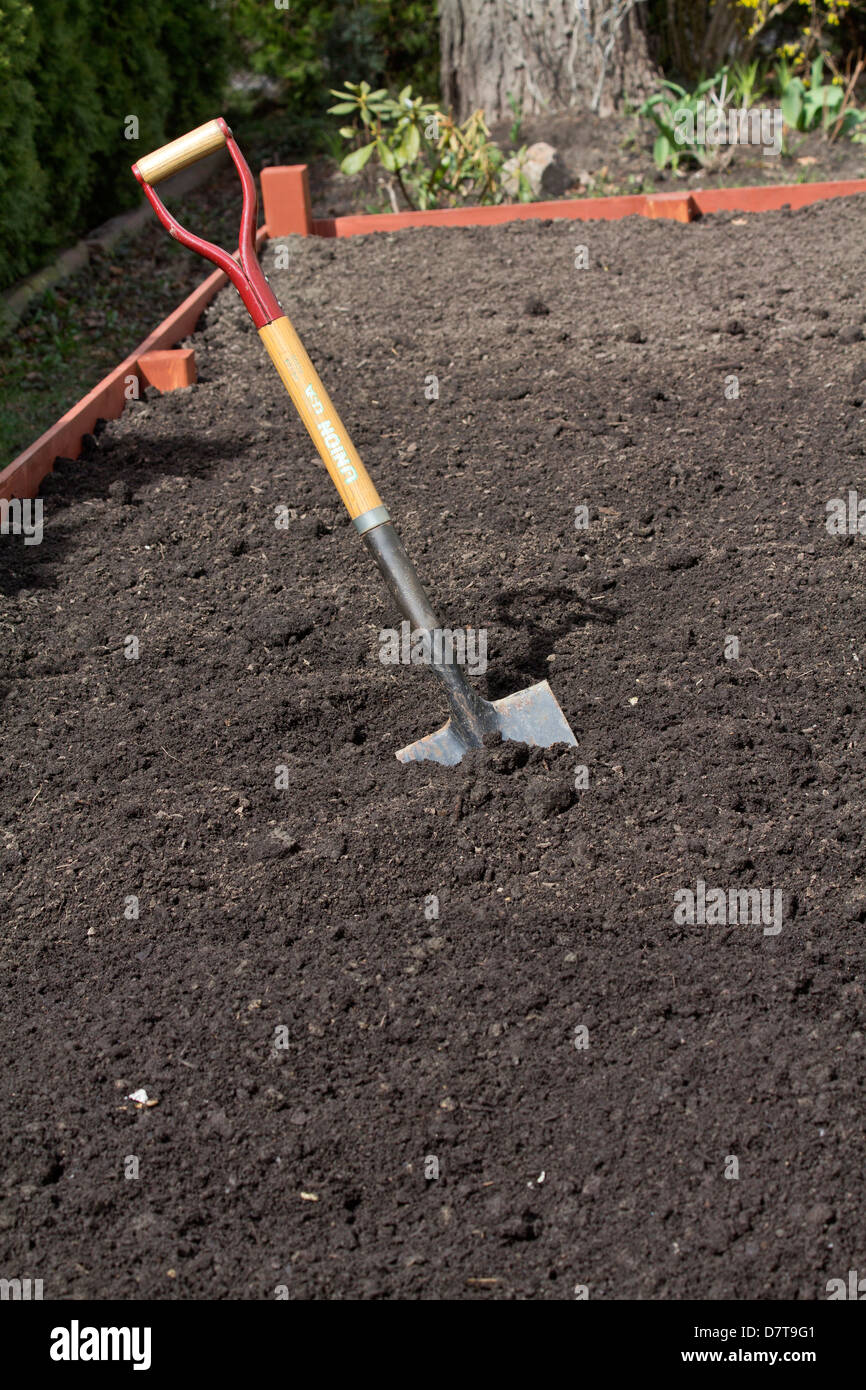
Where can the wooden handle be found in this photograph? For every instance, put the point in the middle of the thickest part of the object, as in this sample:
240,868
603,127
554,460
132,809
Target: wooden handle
171,158
316,409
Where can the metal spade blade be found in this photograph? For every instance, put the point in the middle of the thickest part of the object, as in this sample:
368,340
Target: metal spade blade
531,716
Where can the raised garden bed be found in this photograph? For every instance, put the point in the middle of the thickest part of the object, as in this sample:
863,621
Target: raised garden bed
288,211
410,1035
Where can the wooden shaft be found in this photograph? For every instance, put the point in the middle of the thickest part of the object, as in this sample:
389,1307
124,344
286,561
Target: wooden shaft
168,160
316,409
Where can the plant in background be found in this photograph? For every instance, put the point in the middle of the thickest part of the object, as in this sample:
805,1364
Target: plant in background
746,83
64,164
434,160
818,24
667,110
517,112
815,104
808,102
23,183
305,48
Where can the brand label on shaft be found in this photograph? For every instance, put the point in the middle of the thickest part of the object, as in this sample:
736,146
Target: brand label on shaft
332,440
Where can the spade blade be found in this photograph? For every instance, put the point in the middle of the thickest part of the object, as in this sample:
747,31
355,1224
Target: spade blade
529,716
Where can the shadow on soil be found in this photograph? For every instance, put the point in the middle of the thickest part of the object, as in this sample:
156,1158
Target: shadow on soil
535,638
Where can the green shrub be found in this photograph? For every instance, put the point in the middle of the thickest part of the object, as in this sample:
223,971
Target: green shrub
198,69
70,133
435,161
71,72
311,46
22,179
141,87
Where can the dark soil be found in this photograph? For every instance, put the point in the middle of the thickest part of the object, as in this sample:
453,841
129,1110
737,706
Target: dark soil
74,334
410,1036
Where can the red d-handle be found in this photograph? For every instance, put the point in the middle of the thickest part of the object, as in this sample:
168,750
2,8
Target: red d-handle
243,269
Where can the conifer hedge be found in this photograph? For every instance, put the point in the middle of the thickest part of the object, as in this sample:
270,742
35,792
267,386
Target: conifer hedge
71,74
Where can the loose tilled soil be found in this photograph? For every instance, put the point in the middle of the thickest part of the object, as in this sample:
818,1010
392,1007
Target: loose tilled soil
410,1036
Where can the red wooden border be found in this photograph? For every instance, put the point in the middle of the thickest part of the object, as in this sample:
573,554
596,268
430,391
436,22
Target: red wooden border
106,401
286,195
21,478
774,196
168,369
286,203
581,210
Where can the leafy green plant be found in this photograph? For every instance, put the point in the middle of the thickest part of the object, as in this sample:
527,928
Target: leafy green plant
806,107
746,83
667,110
434,160
516,109
818,104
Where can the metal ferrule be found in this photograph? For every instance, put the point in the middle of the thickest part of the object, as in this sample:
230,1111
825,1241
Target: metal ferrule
376,516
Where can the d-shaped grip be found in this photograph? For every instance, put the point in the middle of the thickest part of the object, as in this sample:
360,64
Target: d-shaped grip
185,150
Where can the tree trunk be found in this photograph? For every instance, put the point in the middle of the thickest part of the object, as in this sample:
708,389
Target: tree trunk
545,54
699,36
